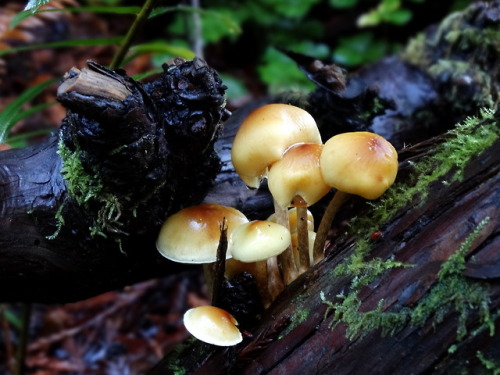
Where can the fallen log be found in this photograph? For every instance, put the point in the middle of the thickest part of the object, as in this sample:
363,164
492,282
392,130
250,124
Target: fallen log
80,213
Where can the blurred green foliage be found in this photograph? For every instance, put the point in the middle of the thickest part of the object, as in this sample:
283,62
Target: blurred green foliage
242,39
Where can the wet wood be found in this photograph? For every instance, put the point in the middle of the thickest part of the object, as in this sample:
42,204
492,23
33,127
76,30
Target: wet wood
424,234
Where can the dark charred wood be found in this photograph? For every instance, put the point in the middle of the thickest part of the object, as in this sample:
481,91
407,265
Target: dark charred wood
131,151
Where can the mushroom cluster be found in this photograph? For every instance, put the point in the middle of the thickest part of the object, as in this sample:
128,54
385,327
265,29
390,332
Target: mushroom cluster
193,235
282,143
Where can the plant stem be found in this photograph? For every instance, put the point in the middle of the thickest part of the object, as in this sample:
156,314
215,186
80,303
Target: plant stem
197,40
23,340
220,266
326,222
140,19
9,351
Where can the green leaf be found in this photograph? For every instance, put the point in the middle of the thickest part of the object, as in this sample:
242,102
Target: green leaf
359,49
280,73
398,17
289,8
11,317
369,19
35,4
343,3
11,112
18,18
216,23
388,6
66,43
21,140
235,87
31,111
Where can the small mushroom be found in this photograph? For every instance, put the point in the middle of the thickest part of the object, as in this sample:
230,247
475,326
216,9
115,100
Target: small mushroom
192,235
296,180
264,136
359,163
212,325
261,241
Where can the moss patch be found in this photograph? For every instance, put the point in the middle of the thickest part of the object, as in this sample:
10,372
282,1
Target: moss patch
493,366
88,190
452,292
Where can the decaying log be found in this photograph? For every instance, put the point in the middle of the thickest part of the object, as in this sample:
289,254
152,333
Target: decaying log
80,213
382,334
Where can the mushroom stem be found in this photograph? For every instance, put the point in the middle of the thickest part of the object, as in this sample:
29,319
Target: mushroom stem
285,259
274,280
220,266
303,238
326,221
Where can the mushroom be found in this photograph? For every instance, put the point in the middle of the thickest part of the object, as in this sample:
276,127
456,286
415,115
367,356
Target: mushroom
263,137
359,163
259,242
296,180
212,325
192,234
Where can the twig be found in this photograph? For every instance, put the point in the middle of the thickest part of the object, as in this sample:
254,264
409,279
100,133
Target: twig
220,266
197,39
140,19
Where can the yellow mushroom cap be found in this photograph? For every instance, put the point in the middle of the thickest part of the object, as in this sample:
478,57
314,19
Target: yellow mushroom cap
192,235
360,163
298,173
264,136
212,325
258,240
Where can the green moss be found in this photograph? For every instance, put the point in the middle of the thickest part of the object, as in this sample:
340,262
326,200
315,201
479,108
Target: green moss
361,323
492,366
87,189
452,292
301,313
60,222
176,370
